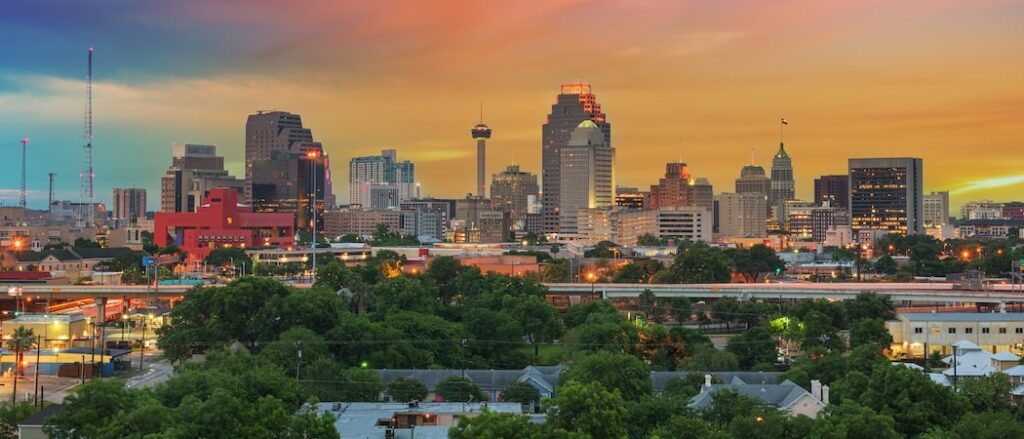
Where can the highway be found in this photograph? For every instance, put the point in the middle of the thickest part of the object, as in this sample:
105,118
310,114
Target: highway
900,292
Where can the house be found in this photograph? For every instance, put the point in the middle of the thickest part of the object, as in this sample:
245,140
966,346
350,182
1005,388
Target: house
491,382
32,426
970,360
73,262
787,396
660,379
422,420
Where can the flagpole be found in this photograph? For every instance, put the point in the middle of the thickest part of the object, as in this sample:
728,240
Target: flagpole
782,126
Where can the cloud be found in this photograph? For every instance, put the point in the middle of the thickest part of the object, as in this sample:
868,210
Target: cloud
989,184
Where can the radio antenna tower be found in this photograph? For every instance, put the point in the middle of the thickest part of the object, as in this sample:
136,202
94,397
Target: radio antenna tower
87,211
49,207
22,194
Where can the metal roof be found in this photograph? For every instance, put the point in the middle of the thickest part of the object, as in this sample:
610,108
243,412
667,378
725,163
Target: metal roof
964,317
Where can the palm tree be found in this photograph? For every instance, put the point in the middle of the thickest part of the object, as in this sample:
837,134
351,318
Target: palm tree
22,339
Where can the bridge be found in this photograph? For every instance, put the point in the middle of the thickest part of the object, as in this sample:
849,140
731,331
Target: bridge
64,292
900,292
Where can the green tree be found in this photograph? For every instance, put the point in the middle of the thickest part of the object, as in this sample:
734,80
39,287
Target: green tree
754,347
285,351
492,425
706,358
22,339
725,310
696,262
538,320
602,249
850,420
819,332
457,389
11,415
520,392
915,402
886,265
407,389
681,309
871,332
588,408
620,372
988,425
638,271
222,257
988,393
444,270
688,427
556,270
756,262
870,306
685,387
578,314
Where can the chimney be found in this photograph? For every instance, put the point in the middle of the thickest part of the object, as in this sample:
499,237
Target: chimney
816,389
824,394
707,382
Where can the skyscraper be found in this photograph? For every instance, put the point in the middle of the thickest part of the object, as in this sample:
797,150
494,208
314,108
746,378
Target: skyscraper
574,104
832,189
291,182
194,170
587,176
783,187
510,191
754,180
678,188
936,209
886,195
380,182
270,131
129,204
481,133
741,215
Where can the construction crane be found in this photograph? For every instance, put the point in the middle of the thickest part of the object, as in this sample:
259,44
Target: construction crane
87,211
22,194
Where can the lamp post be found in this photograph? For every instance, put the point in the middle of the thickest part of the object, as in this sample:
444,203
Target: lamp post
124,325
314,156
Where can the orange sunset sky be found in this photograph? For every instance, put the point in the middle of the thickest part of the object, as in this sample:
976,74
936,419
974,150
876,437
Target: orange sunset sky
700,81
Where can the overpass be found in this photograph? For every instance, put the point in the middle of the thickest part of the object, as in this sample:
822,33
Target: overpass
63,292
900,292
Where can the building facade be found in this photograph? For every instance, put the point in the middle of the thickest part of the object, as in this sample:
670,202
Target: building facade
338,223
587,174
269,132
510,191
741,215
981,210
291,182
129,204
381,181
194,171
574,104
832,190
936,209
679,188
886,195
624,226
783,186
222,222
629,198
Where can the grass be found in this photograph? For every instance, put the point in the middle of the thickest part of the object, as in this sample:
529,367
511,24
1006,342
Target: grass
550,354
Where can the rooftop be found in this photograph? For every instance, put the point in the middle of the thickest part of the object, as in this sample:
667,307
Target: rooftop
964,317
358,420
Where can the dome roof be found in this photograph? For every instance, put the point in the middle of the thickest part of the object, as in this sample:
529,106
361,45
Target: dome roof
587,124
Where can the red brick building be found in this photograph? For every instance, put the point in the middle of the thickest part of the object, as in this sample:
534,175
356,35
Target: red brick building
220,222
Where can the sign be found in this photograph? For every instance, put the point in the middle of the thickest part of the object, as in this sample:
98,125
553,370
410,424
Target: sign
148,261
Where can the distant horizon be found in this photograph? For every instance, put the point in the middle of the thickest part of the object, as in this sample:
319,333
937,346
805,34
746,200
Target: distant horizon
699,82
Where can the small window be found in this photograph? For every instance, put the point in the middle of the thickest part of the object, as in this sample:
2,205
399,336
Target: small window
952,330
918,330
1019,330
984,330
968,330
1002,330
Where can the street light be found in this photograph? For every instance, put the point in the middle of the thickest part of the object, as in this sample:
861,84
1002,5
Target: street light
314,156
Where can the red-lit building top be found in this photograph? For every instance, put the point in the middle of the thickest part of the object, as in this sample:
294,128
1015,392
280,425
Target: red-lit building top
220,222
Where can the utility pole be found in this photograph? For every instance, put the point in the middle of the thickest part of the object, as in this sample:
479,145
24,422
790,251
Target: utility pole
39,347
298,359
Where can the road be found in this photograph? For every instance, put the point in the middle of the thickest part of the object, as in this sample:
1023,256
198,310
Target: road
157,371
54,388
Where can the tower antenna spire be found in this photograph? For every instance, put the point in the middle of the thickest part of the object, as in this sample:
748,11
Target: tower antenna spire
49,207
86,218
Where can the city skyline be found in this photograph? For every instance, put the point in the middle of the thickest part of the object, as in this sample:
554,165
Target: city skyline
703,85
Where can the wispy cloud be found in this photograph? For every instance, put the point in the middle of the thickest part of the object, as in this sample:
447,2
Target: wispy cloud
990,183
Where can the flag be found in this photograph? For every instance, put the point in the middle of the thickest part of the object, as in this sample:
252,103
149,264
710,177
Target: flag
784,122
